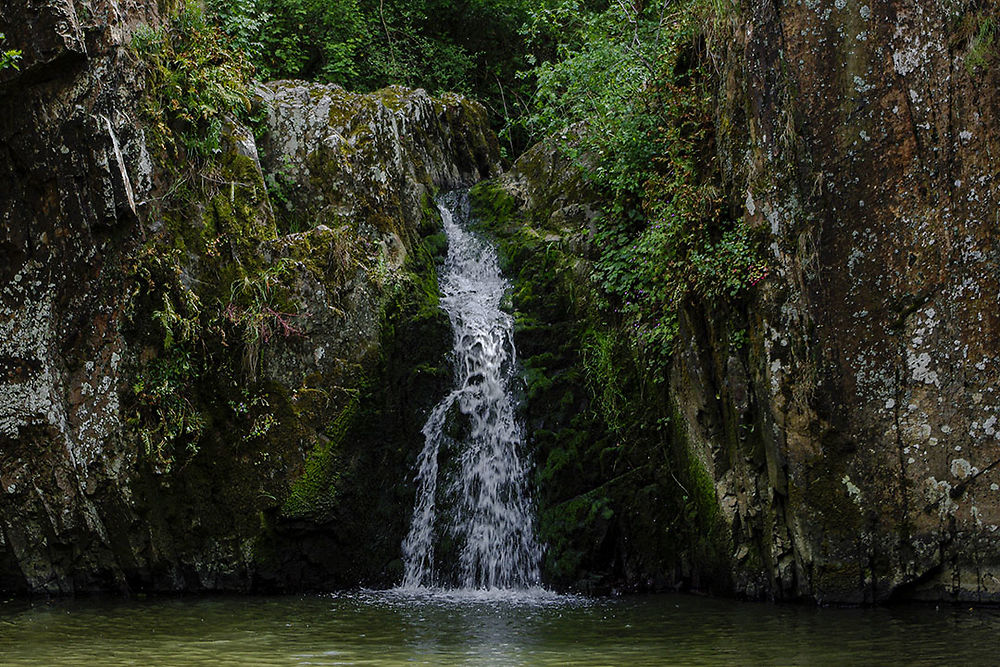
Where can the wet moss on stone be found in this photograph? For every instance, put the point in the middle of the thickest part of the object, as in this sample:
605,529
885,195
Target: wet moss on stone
315,492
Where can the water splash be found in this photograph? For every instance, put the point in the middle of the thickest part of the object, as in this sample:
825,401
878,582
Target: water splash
472,524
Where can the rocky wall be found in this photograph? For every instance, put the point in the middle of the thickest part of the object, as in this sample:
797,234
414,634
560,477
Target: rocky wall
862,136
73,159
183,365
842,422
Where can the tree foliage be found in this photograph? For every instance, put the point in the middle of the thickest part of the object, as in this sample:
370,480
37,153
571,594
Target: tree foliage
626,86
475,47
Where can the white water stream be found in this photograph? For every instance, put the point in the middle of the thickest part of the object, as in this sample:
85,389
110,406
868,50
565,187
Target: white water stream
472,525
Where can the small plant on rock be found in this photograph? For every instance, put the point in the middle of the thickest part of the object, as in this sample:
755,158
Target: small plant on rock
8,57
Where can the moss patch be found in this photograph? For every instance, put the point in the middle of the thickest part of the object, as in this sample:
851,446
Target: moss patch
316,490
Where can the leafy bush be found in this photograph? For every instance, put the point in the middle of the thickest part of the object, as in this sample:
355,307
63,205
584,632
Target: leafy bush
243,22
171,423
631,82
9,57
259,309
474,47
187,340
196,78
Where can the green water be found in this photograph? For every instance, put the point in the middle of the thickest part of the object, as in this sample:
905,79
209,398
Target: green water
390,629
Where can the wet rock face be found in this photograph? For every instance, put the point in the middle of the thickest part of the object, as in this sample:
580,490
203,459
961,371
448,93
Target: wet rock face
848,418
82,505
862,139
368,163
48,33
372,153
72,160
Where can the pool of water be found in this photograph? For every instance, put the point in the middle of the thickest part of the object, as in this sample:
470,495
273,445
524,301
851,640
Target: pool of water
390,628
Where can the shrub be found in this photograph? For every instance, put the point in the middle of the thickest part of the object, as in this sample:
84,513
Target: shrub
8,57
631,80
196,78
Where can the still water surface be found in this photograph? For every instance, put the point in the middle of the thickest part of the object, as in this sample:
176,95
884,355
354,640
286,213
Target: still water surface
393,628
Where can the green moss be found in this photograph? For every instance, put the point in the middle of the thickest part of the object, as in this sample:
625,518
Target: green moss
393,97
982,28
493,207
703,536
573,531
604,360
422,262
315,492
430,216
437,246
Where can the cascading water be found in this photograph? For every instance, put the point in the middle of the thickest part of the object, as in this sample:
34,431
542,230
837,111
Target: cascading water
472,500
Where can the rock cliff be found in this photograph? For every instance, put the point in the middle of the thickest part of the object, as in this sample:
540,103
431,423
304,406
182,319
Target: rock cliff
835,438
863,137
212,369
214,361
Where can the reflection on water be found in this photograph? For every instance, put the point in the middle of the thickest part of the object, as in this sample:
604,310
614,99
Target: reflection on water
389,628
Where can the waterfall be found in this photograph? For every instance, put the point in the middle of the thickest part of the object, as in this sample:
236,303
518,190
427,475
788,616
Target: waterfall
472,498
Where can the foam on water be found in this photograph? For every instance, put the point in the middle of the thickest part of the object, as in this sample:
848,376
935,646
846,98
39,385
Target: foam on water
535,596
